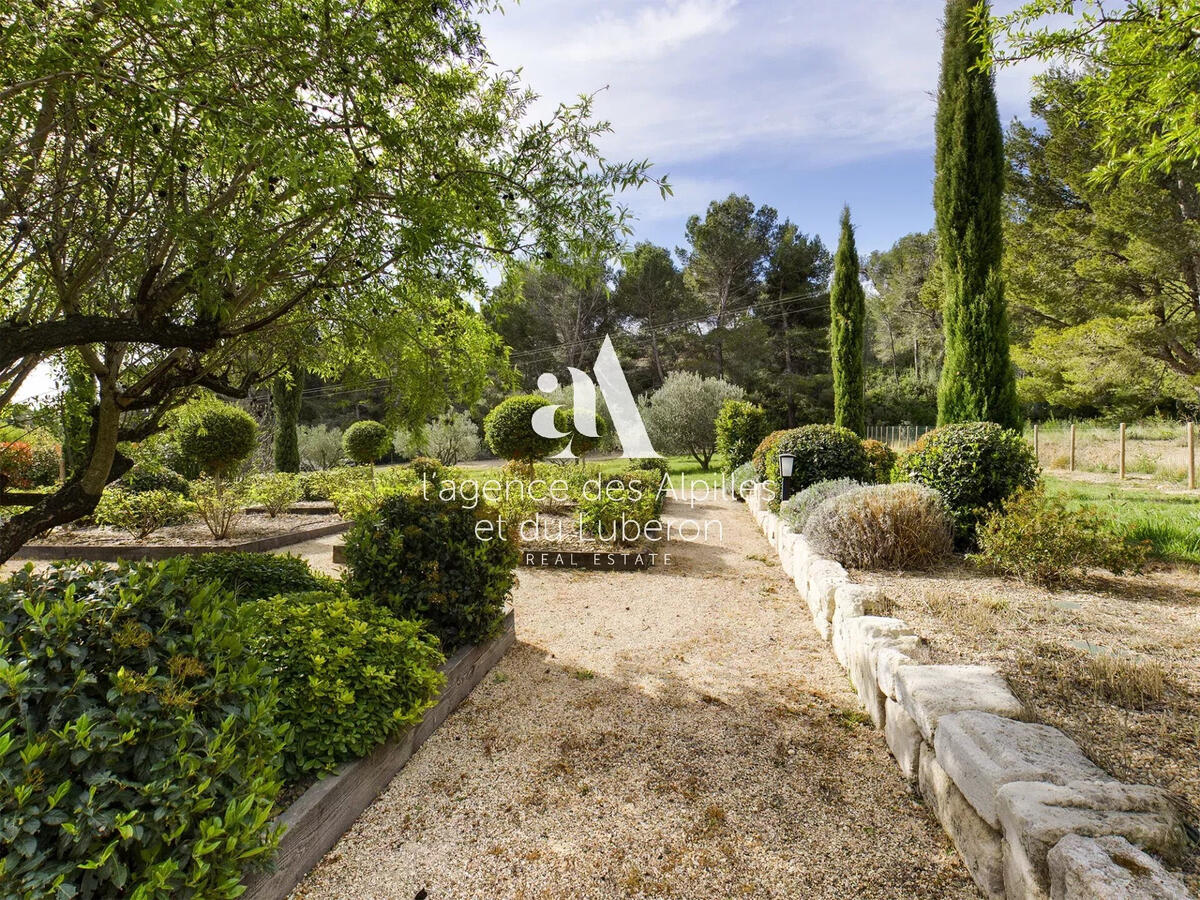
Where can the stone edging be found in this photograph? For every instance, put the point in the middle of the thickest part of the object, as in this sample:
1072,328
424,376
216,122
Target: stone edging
323,813
1030,815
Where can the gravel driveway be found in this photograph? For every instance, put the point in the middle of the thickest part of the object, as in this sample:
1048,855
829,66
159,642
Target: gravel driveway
679,733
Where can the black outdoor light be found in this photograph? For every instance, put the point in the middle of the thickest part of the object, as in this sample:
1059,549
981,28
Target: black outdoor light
787,462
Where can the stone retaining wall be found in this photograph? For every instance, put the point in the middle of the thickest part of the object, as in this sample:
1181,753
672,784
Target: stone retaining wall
1030,815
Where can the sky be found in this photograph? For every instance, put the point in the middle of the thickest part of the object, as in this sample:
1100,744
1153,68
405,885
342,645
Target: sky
804,106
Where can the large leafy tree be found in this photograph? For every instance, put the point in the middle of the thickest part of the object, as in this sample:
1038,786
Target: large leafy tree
904,305
977,382
847,304
654,304
193,195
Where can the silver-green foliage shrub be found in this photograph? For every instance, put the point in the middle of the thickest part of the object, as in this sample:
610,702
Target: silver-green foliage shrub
883,526
798,508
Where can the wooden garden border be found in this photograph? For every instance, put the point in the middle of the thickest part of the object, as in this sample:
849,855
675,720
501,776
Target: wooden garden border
324,812
114,552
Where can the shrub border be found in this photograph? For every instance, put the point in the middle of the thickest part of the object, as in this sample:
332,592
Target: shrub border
908,700
322,814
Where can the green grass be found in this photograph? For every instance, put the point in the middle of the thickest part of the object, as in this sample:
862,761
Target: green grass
684,470
1170,522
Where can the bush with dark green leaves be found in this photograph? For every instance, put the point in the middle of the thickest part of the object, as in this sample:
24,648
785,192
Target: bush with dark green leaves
254,576
351,675
139,744
508,430
976,466
882,460
622,508
741,427
823,453
216,437
759,458
46,466
276,492
366,441
648,464
154,477
424,558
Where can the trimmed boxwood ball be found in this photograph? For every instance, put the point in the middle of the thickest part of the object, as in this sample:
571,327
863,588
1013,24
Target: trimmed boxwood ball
217,437
366,441
351,675
253,576
422,559
140,744
740,429
976,466
508,430
823,453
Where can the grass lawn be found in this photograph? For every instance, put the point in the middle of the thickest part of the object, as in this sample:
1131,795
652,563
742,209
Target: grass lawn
1169,521
685,471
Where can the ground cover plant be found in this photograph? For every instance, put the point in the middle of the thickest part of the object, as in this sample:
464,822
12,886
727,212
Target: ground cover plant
256,576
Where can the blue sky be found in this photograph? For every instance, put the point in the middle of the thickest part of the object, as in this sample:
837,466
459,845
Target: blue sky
801,105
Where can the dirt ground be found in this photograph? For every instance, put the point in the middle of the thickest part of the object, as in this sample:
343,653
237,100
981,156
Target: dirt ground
677,733
248,527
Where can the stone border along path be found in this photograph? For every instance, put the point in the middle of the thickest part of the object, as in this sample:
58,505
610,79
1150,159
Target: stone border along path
679,732
1031,816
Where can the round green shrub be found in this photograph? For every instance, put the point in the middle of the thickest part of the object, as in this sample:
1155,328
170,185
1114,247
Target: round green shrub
759,459
427,469
976,466
216,437
741,427
882,460
46,466
139,746
154,477
351,675
255,576
422,558
883,526
141,513
649,464
742,479
798,508
823,453
366,441
508,430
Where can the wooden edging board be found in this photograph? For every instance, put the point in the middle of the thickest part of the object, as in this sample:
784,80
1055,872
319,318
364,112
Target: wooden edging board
323,813
114,552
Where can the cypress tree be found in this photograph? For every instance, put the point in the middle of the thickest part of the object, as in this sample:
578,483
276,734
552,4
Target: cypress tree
847,308
977,382
285,393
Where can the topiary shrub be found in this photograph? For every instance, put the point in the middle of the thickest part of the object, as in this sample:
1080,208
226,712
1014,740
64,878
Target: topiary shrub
254,576
154,477
883,526
742,479
823,453
427,469
141,513
741,427
276,493
366,442
423,559
508,430
139,750
216,438
976,466
1037,539
882,460
351,675
759,459
797,509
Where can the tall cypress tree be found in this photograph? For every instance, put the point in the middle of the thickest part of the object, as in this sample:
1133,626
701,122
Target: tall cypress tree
848,309
977,381
285,393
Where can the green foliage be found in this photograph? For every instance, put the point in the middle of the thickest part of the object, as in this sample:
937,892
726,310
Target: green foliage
324,484
904,400
256,576
355,498
905,313
44,467
216,437
426,469
452,438
423,558
976,466
847,303
883,526
351,675
823,453
681,416
366,441
75,405
977,382
276,493
622,507
882,460
740,426
138,741
286,398
759,459
742,479
798,509
1037,538
16,464
649,464
150,476
320,446
220,504
141,513
508,430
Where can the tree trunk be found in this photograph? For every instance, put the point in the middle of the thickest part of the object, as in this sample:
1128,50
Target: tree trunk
787,366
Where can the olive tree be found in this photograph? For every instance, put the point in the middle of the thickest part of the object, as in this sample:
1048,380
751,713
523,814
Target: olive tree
681,415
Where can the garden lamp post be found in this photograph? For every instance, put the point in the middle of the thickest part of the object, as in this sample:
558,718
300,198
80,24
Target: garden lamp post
787,462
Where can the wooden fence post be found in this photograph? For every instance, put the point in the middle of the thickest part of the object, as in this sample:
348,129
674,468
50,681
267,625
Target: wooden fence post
1122,451
1072,446
1191,456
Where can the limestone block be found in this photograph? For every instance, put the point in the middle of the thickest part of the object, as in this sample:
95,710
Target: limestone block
891,656
824,576
929,692
1108,868
978,843
861,637
903,739
786,547
802,558
982,752
1035,816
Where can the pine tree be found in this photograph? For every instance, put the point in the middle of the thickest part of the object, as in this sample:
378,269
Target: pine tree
977,382
847,304
285,393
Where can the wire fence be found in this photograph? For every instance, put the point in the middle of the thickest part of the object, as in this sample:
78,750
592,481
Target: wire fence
898,437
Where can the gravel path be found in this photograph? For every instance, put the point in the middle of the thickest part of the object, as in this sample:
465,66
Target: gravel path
678,733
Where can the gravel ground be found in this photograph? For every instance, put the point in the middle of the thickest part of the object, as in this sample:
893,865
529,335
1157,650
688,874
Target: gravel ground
677,733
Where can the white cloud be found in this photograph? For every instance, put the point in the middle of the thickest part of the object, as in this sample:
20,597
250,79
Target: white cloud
647,33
